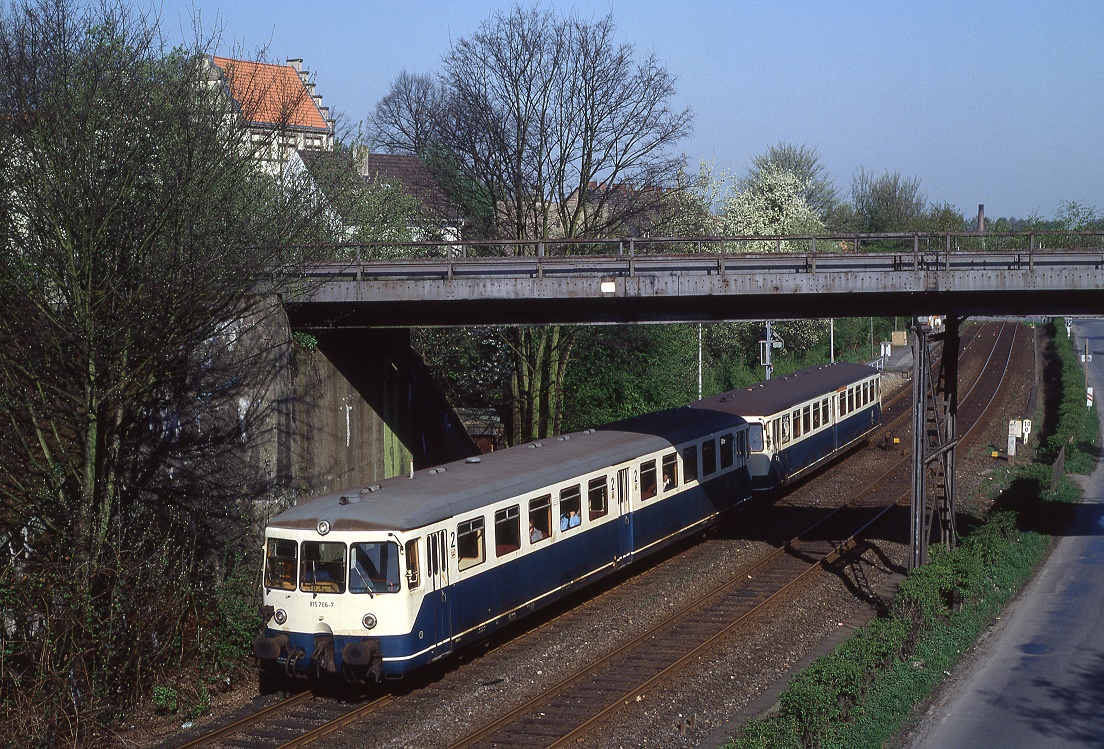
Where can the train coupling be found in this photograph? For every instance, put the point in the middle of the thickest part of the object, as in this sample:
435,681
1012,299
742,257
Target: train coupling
270,648
361,660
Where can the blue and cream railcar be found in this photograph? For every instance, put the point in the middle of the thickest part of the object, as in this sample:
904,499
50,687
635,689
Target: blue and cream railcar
802,420
376,582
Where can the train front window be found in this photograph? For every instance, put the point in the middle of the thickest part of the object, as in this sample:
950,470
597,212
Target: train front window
280,558
322,568
374,567
755,437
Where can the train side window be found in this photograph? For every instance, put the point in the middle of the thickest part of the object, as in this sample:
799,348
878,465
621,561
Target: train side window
796,423
507,530
806,420
776,431
709,457
598,497
540,518
280,558
816,416
785,429
431,554
322,568
842,405
864,398
850,399
571,500
690,463
726,451
374,567
670,472
647,479
825,413
413,569
470,547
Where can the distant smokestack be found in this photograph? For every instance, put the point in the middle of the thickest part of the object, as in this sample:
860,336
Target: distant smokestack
981,217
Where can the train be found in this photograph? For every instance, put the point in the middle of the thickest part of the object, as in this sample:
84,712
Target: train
378,581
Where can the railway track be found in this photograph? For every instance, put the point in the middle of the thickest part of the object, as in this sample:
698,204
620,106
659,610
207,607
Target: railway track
293,722
573,707
563,714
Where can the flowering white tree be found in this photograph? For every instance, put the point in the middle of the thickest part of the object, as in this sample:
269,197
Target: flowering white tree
774,204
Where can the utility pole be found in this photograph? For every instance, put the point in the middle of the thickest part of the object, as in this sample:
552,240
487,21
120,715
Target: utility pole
767,359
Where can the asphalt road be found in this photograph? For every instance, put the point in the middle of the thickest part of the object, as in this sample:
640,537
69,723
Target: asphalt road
1038,680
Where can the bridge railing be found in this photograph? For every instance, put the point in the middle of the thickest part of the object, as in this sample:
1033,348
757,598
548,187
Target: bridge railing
902,243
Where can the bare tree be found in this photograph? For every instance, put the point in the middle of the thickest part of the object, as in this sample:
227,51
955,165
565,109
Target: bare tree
888,202
551,128
140,239
405,119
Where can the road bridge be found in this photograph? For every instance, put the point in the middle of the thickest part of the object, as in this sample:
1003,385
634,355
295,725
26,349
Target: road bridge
705,279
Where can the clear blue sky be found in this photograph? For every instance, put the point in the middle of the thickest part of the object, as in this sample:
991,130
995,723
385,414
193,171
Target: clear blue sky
991,102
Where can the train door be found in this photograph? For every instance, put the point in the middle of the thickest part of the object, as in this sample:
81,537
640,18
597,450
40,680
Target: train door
624,507
437,556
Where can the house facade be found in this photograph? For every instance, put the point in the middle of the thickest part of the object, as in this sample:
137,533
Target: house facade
278,105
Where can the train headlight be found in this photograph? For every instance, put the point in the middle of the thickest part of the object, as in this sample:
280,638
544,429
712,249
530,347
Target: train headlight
369,621
323,527
280,616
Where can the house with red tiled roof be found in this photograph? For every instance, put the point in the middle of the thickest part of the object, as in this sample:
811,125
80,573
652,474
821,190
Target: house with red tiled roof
278,105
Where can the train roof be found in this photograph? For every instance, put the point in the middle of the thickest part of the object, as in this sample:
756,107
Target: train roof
402,503
772,396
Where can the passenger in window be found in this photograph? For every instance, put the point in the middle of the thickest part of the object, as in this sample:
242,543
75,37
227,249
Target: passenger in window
666,482
570,520
535,534
563,522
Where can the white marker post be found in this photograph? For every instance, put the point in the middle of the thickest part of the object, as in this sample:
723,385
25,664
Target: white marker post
1015,429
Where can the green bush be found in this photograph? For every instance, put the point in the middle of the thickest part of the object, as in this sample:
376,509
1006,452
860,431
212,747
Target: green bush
858,694
1077,427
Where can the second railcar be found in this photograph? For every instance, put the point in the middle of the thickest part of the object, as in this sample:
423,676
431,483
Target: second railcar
800,421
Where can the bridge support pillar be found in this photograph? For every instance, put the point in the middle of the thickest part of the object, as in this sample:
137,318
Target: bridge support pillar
934,437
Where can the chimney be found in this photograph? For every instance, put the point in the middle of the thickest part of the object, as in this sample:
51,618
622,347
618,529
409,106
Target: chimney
981,217
297,63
